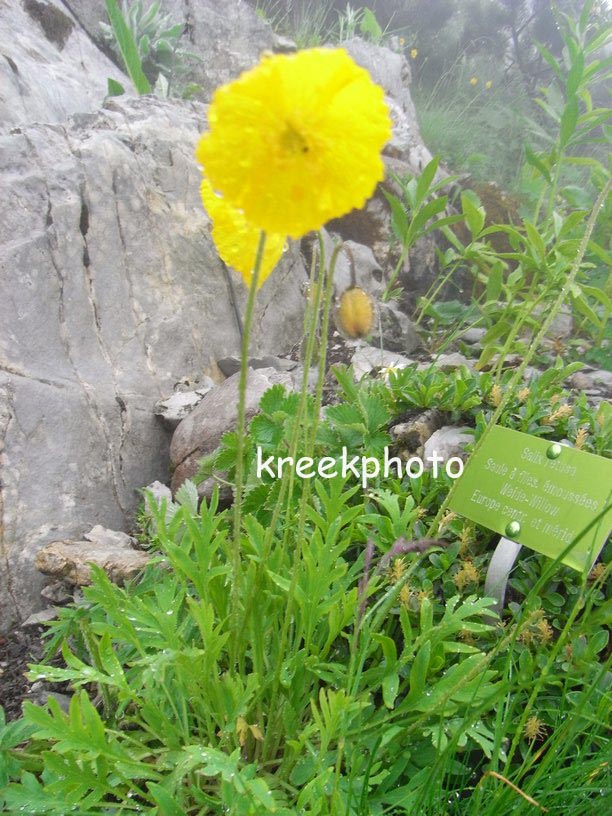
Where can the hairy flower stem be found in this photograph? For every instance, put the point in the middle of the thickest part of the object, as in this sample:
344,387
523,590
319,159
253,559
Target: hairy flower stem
275,710
244,370
590,225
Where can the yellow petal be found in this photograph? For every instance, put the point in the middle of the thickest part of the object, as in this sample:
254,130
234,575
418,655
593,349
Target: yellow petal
237,240
297,140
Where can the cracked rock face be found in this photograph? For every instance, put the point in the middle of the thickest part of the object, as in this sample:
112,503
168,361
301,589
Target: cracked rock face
49,68
111,290
227,35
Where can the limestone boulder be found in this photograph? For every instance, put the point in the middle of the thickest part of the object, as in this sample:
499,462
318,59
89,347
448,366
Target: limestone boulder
200,432
49,67
111,291
225,37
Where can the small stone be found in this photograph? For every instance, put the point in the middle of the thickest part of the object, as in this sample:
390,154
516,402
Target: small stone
369,358
473,336
562,325
452,361
530,373
231,365
398,331
110,550
41,696
39,618
581,381
447,442
56,593
175,408
410,436
602,377
104,537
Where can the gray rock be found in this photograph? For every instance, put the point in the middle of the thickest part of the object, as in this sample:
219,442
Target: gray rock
447,442
355,266
563,324
40,696
581,381
200,432
391,71
39,618
473,336
159,492
227,34
49,68
111,290
398,331
230,365
451,362
70,560
56,593
602,377
175,408
411,436
103,537
367,359
531,373
404,155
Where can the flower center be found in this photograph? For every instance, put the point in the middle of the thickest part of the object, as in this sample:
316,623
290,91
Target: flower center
292,141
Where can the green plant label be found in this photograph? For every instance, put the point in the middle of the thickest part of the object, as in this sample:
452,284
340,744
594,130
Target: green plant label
549,497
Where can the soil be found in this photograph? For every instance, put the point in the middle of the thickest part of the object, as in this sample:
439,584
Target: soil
17,649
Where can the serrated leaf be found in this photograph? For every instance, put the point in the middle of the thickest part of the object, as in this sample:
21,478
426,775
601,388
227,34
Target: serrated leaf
187,496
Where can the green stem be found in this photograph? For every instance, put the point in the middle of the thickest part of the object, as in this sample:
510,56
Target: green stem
575,268
240,428
270,744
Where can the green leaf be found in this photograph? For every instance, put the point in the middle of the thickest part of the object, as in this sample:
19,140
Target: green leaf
114,88
474,214
569,120
399,218
494,281
551,61
128,48
425,180
390,689
369,25
534,161
536,242
167,804
429,210
496,331
574,76
418,672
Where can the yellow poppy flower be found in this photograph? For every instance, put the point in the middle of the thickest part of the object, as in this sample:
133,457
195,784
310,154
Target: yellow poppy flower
488,84
296,141
414,53
473,81
237,240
